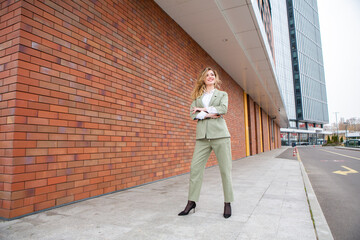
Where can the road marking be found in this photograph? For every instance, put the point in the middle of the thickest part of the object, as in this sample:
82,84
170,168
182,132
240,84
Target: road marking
345,172
332,160
298,156
340,154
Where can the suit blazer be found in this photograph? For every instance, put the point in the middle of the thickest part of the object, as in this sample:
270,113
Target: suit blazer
212,128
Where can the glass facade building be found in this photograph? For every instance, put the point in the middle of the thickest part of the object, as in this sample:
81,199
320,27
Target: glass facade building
283,58
307,60
300,70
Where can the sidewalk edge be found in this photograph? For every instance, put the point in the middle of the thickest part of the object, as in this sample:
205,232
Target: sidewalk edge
348,148
322,228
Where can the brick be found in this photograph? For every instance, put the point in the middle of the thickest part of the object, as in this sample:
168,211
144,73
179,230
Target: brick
21,211
75,177
63,186
45,174
60,123
15,152
36,183
56,108
6,144
39,76
44,205
57,194
14,169
23,160
64,200
24,144
18,103
57,151
22,194
37,136
8,96
46,144
96,180
36,168
47,129
74,191
56,180
52,166
23,177
37,121
46,114
14,186
89,188
17,119
29,66
96,192
27,96
5,213
17,203
81,196
60,137
63,94
34,199
6,204
36,152
5,195
82,183
44,190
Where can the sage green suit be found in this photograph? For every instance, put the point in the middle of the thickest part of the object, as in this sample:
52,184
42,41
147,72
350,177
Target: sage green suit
211,134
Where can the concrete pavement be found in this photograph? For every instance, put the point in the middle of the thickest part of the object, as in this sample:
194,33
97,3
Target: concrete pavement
270,203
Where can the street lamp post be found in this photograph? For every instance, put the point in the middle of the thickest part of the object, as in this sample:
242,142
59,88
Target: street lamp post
346,124
337,126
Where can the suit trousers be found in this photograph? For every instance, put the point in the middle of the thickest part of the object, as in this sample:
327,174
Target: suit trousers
202,151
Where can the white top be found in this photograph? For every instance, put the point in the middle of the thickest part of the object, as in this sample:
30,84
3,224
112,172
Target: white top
206,101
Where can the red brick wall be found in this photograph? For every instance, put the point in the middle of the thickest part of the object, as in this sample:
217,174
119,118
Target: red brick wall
97,101
9,46
235,120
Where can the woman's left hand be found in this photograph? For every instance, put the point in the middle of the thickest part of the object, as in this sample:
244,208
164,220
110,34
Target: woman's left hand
195,109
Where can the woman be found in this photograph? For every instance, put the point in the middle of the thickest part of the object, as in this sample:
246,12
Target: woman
211,134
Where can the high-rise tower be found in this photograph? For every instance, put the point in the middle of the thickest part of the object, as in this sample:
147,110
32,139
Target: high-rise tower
283,58
307,63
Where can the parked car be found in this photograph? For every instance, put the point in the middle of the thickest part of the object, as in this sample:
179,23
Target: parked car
353,143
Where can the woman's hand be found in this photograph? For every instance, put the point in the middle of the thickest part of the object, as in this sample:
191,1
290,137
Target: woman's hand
195,109
213,116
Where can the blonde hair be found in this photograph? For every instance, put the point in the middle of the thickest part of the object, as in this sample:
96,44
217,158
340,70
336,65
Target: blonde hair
200,86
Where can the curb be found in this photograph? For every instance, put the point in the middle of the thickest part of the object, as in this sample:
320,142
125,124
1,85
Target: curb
321,226
348,148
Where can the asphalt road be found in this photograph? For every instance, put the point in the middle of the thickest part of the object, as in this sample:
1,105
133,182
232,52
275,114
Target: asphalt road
335,178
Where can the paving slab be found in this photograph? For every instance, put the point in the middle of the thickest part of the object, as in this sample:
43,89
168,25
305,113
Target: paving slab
270,203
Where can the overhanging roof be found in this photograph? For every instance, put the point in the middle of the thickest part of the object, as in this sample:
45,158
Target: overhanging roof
232,33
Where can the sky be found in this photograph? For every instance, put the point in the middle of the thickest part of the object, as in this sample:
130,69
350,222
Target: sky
340,37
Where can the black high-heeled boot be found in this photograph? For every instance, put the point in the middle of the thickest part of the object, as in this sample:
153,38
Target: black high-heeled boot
190,205
227,210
